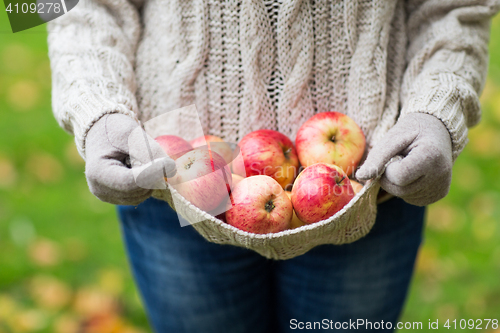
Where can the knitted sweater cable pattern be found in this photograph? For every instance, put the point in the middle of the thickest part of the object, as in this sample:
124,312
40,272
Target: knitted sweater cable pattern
252,64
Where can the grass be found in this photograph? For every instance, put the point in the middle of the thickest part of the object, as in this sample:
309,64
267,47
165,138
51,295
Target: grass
62,260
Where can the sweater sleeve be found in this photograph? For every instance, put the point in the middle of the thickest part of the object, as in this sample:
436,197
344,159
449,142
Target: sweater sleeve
447,60
91,51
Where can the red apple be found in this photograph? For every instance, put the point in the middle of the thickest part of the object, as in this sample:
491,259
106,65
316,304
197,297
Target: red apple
331,137
203,178
320,191
174,146
270,153
236,179
216,144
259,205
296,222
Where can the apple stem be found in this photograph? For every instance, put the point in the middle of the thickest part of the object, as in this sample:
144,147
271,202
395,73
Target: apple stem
338,183
269,206
187,166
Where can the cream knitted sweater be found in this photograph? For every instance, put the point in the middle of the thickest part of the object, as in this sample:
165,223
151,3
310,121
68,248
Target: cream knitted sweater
252,64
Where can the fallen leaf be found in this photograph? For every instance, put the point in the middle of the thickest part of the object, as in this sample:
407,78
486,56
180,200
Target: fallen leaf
7,307
427,260
103,323
111,280
29,321
66,323
8,174
44,167
91,301
483,141
484,204
446,311
23,95
445,217
49,292
44,252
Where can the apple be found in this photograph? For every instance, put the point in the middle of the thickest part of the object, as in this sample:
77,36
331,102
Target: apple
216,144
203,178
320,191
173,146
356,186
259,205
296,222
270,153
333,138
236,179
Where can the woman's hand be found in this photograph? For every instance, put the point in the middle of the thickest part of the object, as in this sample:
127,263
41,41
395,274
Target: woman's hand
423,175
119,166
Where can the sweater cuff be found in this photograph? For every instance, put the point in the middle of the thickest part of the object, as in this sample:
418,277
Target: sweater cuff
88,109
449,104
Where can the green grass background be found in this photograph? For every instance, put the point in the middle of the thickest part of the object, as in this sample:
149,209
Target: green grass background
55,236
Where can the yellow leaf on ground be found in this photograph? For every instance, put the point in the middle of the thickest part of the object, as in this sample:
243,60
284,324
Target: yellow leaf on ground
8,174
29,321
49,292
23,95
66,324
445,217
7,307
91,301
44,252
427,260
111,280
45,167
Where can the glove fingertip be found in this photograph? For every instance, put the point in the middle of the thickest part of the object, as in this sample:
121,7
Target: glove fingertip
363,174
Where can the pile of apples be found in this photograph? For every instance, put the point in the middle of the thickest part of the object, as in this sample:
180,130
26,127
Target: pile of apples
270,184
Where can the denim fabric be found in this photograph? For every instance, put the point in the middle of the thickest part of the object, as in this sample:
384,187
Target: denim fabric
191,285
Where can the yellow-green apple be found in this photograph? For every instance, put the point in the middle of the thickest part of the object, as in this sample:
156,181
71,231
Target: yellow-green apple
296,222
270,153
203,178
216,144
320,191
174,146
330,137
356,186
259,205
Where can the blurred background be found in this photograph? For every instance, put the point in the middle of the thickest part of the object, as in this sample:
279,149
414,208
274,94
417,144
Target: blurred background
62,264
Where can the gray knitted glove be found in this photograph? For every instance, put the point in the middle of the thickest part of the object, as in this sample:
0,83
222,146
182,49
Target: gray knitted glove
423,174
114,144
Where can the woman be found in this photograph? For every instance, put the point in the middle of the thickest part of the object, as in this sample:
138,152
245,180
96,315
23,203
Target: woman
408,72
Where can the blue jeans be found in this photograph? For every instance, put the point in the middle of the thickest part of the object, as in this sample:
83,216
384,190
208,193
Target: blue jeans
190,285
